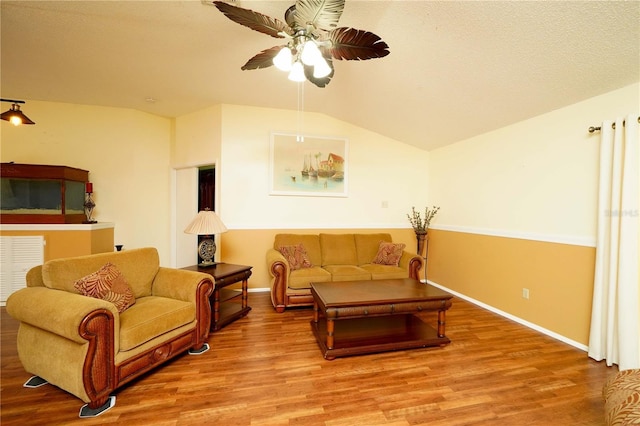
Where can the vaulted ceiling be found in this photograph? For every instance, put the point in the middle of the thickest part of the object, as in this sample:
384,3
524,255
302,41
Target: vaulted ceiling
456,68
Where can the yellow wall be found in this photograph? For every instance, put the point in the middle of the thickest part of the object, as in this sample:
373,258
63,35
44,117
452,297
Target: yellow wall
494,270
126,153
519,209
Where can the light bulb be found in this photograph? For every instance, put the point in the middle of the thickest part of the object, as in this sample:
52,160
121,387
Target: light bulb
310,53
321,69
297,72
282,60
15,120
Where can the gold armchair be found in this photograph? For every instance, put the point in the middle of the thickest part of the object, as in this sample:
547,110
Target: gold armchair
84,346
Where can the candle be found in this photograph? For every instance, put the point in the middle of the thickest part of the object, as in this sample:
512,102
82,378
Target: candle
89,189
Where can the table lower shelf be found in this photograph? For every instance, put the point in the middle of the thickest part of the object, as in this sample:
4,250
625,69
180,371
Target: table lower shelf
357,336
229,312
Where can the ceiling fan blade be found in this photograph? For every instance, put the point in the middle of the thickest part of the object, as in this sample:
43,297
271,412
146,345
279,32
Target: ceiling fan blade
352,44
321,14
290,16
263,59
254,20
320,82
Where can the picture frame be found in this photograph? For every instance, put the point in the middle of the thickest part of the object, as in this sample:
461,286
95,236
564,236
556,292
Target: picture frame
305,165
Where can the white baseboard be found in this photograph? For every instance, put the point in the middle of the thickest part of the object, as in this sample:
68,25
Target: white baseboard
513,318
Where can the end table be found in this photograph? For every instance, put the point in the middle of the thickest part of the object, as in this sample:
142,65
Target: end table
224,305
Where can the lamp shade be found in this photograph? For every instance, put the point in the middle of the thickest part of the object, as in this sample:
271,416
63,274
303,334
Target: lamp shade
206,222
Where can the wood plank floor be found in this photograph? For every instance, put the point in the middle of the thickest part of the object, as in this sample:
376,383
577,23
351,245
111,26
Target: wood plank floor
266,369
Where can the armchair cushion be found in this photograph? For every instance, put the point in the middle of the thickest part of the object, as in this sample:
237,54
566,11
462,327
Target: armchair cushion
150,317
61,274
107,283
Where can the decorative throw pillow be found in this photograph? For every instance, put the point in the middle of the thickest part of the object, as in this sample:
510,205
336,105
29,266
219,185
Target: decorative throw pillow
296,256
389,253
107,283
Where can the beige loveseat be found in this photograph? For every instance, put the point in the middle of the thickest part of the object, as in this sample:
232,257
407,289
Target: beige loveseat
332,257
84,345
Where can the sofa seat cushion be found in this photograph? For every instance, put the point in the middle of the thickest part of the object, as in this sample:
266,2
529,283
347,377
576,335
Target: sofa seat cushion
347,273
151,317
302,278
385,272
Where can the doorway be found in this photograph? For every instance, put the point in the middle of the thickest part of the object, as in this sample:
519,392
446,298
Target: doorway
194,190
206,195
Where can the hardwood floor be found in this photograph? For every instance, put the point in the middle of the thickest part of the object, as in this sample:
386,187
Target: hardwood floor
266,369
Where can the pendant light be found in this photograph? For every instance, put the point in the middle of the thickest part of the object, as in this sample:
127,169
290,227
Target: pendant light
14,115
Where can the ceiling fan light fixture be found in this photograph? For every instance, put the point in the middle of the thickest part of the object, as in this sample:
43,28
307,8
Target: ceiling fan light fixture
297,72
282,60
313,36
310,53
321,68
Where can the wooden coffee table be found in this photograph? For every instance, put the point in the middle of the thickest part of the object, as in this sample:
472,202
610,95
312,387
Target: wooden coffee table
360,317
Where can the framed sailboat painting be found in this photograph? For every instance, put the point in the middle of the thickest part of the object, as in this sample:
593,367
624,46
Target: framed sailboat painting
313,166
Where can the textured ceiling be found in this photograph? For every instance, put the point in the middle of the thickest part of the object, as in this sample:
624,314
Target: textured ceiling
456,68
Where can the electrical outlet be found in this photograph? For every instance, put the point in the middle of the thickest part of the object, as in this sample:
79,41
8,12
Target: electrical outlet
525,293
385,204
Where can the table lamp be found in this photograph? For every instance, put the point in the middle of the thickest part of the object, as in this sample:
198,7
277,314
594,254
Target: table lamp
209,224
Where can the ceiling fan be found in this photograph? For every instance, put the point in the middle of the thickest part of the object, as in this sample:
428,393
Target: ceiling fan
313,39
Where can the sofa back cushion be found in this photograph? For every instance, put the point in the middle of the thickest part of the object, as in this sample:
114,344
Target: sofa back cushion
338,249
367,246
311,244
138,266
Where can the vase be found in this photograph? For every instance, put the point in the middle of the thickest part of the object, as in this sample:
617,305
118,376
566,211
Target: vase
421,237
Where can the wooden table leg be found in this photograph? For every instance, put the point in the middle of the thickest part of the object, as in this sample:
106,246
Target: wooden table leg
441,321
330,329
216,307
245,293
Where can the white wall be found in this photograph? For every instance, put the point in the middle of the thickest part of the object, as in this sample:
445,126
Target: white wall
126,153
380,169
537,178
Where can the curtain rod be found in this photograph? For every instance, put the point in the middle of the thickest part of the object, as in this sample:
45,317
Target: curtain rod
613,126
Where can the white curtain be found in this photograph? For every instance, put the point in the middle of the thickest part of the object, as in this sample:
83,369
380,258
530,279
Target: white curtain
615,316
